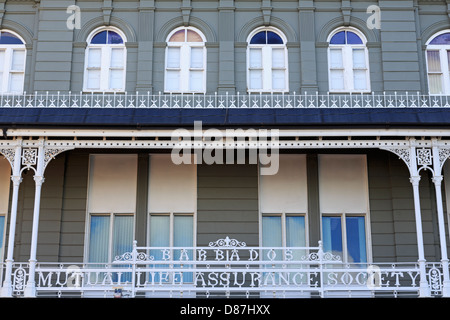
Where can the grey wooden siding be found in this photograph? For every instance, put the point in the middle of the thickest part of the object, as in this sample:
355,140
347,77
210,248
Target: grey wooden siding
56,54
393,223
227,203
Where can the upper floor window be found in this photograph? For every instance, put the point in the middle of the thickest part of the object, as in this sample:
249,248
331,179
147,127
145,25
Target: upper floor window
12,62
267,61
348,61
438,63
105,63
185,61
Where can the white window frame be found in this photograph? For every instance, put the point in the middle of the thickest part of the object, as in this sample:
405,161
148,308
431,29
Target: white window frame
7,64
343,217
185,61
112,216
283,216
267,66
105,68
347,61
444,63
171,216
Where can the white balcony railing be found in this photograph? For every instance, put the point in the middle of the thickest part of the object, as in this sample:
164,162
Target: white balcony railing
227,268
199,101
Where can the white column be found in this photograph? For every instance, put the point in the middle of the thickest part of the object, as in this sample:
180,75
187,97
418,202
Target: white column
30,290
16,179
437,179
424,290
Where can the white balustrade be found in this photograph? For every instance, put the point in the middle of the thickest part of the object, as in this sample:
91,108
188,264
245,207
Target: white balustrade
227,268
216,100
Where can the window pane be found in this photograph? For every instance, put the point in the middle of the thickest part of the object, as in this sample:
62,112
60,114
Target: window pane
255,79
93,79
196,80
336,58
183,233
9,38
2,65
172,80
337,79
273,38
435,83
193,36
434,61
356,239
448,59
332,235
272,237
100,38
123,235
94,58
353,38
116,79
159,231
2,60
441,39
338,38
271,231
18,60
255,58
16,82
99,238
295,231
114,38
178,36
196,57
359,59
278,58
278,79
360,80
259,38
159,237
117,58
2,231
173,57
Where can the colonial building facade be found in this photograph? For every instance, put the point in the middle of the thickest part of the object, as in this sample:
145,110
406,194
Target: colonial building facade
229,148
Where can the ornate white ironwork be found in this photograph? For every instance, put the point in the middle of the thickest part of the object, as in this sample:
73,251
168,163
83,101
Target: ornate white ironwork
29,157
238,100
227,243
9,154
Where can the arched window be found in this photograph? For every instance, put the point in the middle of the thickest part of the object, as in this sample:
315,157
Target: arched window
267,67
185,61
105,63
348,61
438,63
12,62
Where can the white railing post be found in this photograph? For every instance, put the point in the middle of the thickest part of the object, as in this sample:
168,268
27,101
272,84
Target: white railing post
16,179
424,289
30,290
320,254
133,273
437,180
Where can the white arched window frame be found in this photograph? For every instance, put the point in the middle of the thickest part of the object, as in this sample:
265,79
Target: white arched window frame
12,62
438,63
185,66
348,61
105,61
267,61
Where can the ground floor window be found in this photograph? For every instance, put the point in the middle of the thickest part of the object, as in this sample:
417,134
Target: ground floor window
111,235
283,230
168,232
345,235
